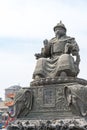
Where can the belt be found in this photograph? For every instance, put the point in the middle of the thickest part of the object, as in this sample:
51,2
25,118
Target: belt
57,53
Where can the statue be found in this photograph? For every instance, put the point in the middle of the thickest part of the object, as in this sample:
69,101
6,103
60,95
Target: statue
56,98
57,56
22,103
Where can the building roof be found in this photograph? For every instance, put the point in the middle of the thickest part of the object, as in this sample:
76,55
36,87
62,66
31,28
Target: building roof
14,87
2,105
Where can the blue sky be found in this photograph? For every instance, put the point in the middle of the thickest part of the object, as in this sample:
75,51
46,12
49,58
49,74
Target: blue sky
24,24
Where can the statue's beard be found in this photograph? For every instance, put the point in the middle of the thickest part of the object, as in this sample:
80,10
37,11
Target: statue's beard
59,34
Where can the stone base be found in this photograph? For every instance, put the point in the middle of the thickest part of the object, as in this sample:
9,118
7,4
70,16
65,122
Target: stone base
49,100
63,124
50,110
57,80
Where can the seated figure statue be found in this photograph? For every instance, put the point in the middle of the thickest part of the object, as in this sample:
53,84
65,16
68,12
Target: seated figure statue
59,55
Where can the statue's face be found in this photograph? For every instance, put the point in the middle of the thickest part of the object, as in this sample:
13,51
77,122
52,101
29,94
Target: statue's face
60,31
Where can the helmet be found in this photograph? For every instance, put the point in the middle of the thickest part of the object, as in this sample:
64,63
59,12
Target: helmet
60,24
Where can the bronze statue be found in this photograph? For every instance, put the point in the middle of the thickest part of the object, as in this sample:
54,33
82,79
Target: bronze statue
57,56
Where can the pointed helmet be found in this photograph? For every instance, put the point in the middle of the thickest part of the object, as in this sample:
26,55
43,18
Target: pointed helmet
60,24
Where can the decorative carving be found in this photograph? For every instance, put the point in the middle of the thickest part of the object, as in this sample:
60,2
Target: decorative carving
39,97
60,80
60,100
73,124
22,103
76,96
49,97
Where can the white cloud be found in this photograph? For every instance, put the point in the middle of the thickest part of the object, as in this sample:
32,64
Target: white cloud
37,18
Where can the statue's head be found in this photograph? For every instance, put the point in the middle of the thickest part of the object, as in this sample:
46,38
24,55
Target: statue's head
60,29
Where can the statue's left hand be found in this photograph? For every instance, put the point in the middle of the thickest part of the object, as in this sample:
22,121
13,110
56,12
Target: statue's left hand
45,42
38,55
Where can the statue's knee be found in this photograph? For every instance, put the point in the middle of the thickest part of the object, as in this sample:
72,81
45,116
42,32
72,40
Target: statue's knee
41,59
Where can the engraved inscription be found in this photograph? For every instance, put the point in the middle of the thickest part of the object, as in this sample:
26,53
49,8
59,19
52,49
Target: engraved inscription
49,97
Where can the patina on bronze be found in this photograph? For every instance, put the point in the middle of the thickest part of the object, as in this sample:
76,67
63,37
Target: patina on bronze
56,98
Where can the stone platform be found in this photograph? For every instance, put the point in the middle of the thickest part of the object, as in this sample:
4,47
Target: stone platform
50,109
63,124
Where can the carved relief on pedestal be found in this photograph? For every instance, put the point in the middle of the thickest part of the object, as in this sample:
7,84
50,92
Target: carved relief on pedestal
45,97
60,99
39,98
49,97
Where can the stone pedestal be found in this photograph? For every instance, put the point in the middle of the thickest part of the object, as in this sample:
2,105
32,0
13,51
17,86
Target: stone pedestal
50,109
